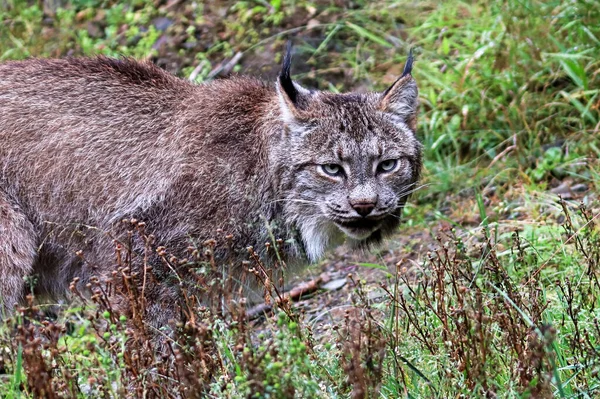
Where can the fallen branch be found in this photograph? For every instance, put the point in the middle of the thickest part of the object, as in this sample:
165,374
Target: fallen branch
294,295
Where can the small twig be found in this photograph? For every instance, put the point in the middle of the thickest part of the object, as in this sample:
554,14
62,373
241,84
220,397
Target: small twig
196,71
505,151
293,295
226,68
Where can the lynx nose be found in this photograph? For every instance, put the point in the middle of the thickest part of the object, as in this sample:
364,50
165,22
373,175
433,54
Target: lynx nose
363,208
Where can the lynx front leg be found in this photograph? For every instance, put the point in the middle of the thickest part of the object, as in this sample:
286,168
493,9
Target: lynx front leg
17,253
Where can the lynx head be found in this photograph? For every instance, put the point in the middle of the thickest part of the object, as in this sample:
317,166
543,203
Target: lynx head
349,160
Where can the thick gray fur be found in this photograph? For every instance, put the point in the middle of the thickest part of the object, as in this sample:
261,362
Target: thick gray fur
87,142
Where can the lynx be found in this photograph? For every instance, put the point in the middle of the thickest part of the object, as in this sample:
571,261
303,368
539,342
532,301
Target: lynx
87,142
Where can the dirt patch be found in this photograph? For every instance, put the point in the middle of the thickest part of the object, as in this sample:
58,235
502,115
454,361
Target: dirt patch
343,270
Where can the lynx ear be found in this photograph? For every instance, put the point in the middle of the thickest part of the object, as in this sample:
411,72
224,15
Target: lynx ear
293,98
402,97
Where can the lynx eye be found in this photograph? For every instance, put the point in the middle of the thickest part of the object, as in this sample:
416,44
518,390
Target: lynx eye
332,169
387,165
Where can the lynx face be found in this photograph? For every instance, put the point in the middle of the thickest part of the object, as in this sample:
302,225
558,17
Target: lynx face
352,161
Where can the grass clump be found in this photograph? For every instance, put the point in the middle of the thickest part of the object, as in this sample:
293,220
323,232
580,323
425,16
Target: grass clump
493,322
502,317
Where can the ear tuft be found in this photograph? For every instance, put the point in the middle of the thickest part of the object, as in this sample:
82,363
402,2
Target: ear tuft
402,97
285,80
409,64
293,98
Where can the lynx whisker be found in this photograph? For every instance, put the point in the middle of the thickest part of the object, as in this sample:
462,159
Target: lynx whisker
399,217
414,190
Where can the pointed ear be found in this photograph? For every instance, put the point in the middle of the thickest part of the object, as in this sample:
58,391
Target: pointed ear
293,98
402,97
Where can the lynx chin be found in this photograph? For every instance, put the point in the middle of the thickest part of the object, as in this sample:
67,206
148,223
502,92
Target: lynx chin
87,142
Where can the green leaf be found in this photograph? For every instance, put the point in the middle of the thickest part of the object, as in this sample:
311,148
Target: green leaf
368,35
575,72
373,266
445,46
276,4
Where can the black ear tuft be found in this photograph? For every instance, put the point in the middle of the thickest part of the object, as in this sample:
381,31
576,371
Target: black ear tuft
285,79
409,64
402,97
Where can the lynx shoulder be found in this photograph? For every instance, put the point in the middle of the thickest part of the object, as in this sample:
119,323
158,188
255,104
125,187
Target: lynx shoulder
86,142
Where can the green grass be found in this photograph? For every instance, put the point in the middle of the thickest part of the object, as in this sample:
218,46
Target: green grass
506,306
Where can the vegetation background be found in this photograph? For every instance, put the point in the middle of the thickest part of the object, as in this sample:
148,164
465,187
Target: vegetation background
490,288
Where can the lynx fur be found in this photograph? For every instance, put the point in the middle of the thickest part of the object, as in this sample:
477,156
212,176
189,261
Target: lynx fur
87,142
